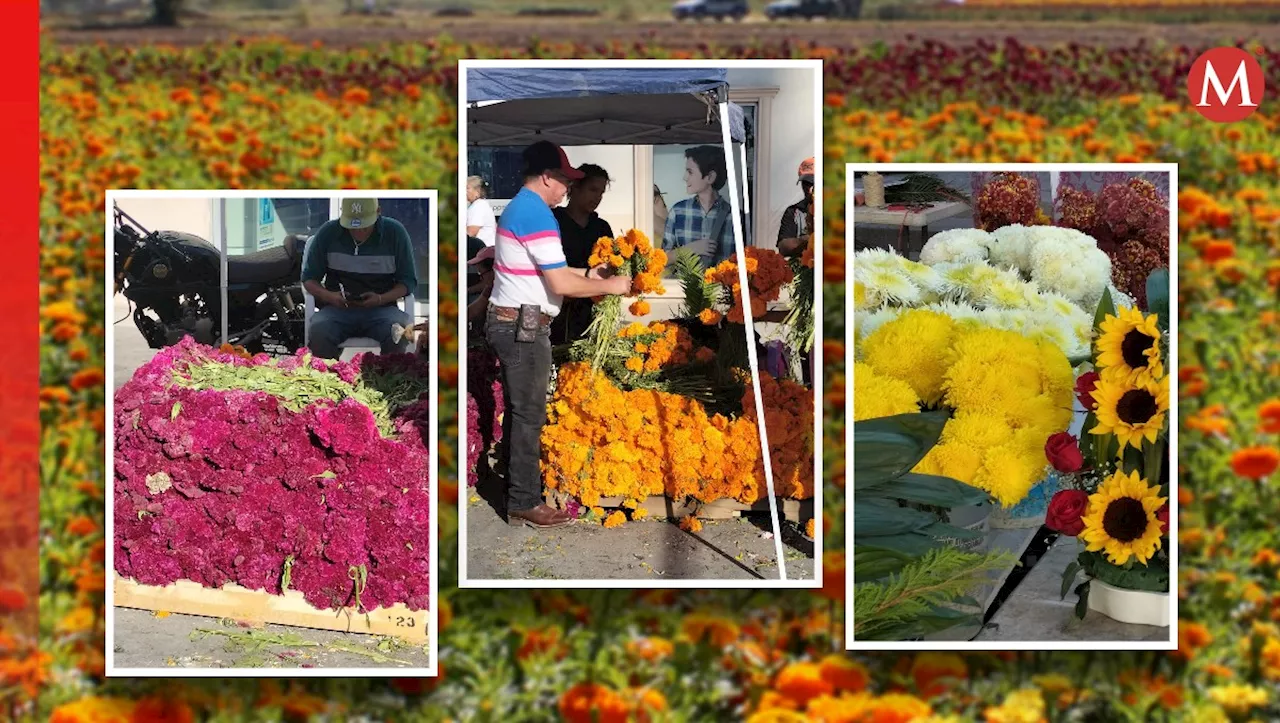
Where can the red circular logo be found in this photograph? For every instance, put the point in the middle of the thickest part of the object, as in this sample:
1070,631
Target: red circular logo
1225,84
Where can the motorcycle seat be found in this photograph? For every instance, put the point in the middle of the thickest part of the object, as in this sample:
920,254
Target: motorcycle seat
261,267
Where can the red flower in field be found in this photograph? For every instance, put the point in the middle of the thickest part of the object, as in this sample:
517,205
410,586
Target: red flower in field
1163,516
935,673
12,600
1255,463
1066,512
593,703
81,526
803,682
356,96
1269,416
417,686
162,710
1217,250
844,673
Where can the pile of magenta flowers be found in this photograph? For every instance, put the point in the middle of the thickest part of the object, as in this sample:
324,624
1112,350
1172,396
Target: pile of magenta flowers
274,474
485,408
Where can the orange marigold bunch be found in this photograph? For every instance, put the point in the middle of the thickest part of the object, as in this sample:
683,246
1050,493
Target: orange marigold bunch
660,346
767,273
632,254
788,414
603,442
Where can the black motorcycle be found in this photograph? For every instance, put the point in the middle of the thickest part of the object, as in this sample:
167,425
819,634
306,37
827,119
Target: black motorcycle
173,279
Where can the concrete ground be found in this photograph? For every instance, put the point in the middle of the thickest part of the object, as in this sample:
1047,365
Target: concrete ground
648,550
145,640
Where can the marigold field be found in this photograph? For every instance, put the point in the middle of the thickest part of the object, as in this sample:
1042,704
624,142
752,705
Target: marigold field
264,114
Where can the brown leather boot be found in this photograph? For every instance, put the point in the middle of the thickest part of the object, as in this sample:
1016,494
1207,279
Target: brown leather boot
541,516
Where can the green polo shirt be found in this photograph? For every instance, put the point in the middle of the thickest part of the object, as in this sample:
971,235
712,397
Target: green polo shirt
376,265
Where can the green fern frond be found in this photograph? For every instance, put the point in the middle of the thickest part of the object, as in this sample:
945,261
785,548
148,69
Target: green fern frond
939,577
698,293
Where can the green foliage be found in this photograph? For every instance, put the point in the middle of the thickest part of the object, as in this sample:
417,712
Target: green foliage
1158,296
911,603
699,294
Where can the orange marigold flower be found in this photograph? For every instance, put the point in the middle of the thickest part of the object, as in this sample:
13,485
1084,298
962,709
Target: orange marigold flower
545,641
844,674
710,317
691,524
1192,637
651,649
593,703
802,682
81,526
356,96
615,519
639,307
1255,462
935,673
717,631
1217,250
88,379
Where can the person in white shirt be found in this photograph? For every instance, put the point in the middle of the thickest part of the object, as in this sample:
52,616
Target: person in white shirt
481,222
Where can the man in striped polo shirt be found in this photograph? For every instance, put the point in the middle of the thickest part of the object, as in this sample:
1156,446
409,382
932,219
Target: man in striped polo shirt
358,267
530,270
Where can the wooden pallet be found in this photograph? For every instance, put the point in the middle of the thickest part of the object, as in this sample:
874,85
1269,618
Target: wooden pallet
788,509
255,606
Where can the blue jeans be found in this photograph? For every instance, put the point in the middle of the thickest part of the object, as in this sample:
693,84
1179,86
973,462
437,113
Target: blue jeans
333,325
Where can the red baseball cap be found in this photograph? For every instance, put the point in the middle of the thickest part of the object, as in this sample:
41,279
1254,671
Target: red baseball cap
547,156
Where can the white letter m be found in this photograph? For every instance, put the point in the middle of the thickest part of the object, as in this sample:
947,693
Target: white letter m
1241,78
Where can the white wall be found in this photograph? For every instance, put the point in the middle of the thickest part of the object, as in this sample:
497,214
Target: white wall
188,215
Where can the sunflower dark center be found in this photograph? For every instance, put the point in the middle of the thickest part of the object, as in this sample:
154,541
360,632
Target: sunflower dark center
1134,349
1125,519
1137,406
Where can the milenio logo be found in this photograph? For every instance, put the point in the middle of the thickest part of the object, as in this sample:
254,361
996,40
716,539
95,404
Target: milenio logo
1225,85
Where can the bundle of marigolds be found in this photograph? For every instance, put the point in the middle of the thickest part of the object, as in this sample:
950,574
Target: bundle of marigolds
601,441
276,474
788,414
767,273
631,255
657,346
1009,394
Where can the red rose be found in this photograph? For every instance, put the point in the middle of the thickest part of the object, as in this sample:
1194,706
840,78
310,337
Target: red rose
1063,451
1066,511
1084,389
1163,516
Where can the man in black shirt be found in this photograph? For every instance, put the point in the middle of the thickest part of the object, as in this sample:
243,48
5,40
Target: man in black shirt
580,228
795,230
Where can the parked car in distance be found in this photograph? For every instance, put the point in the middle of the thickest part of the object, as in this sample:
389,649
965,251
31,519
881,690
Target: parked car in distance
808,9
717,9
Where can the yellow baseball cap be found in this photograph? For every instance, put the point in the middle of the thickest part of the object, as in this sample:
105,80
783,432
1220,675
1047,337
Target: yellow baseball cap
359,212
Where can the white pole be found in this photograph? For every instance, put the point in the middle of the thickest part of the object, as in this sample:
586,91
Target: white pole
220,230
1055,178
746,192
740,247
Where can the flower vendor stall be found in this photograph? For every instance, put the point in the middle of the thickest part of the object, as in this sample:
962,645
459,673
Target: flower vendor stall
1050,372
668,409
290,490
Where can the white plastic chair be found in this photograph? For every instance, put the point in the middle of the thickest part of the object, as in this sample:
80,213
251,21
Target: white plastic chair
355,344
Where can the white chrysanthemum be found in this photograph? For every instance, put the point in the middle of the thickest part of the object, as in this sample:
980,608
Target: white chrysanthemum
1069,262
1011,247
876,259
887,286
866,324
955,310
957,245
964,282
926,278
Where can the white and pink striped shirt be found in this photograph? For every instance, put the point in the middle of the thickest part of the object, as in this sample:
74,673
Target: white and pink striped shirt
528,243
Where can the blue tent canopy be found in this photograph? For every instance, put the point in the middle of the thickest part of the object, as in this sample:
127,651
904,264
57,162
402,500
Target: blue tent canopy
605,106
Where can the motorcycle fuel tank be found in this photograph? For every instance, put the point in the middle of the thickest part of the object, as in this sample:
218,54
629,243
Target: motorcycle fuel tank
194,260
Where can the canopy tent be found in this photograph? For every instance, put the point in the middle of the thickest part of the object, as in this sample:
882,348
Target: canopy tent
516,107
600,105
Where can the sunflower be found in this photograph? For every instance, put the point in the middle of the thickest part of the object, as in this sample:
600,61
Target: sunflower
1129,348
1121,519
1132,412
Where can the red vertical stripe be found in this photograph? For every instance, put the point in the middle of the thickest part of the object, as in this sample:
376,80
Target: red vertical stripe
19,312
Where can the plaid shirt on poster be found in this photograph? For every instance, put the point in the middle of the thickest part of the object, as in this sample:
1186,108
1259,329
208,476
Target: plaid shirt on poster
687,223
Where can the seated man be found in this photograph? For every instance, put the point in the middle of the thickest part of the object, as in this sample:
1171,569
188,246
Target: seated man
365,261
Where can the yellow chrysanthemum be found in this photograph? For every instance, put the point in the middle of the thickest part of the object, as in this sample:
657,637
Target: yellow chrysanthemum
1020,706
875,395
1131,412
1121,519
1008,473
859,295
913,348
1129,348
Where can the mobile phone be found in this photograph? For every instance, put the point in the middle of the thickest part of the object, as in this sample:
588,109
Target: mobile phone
527,323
